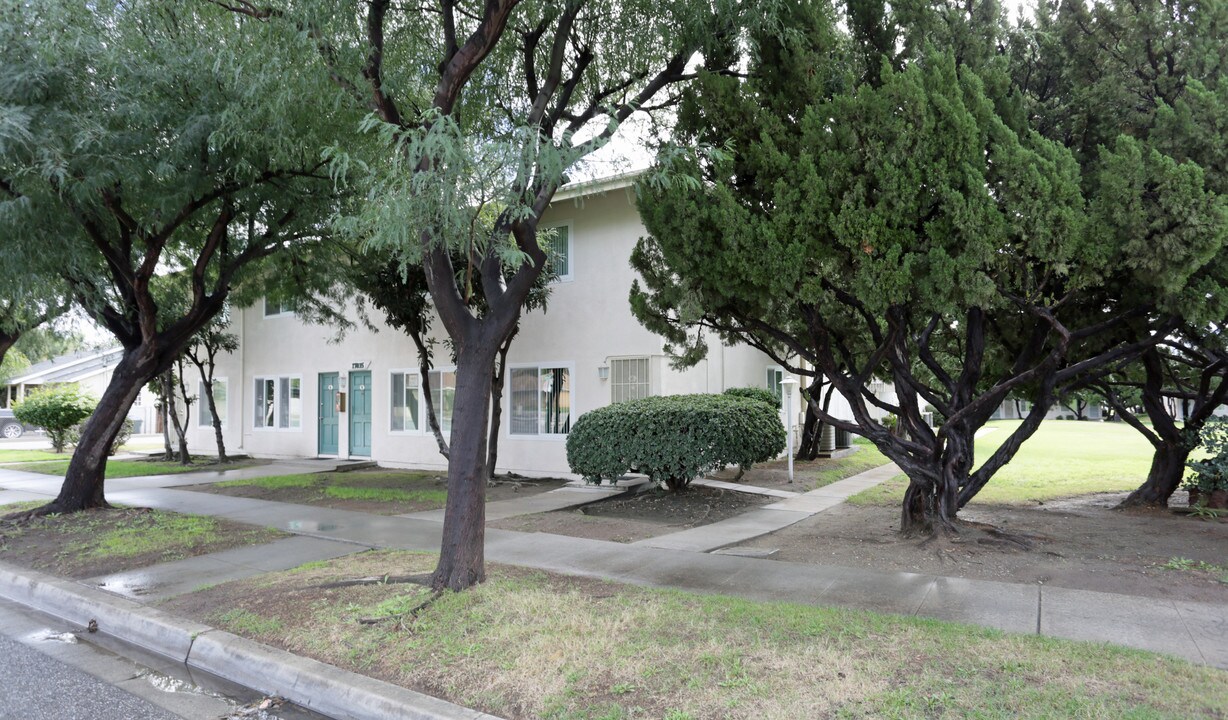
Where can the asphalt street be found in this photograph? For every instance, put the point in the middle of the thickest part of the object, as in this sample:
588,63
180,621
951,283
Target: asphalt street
34,686
49,672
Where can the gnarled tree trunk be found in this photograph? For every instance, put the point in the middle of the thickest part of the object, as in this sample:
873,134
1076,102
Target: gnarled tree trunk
84,479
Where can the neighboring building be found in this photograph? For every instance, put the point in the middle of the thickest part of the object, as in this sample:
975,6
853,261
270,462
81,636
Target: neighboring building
1008,410
90,371
281,390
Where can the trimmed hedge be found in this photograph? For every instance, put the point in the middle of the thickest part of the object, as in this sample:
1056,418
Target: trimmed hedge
674,439
755,393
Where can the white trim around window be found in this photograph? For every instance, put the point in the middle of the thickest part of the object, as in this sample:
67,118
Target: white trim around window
278,403
540,400
774,376
406,409
564,240
220,398
277,308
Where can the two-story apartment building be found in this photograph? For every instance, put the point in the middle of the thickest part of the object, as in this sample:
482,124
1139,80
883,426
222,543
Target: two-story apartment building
289,391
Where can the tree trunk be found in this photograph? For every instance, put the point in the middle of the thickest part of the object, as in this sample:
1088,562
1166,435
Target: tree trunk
812,426
462,551
180,430
1172,443
424,370
1163,479
217,421
165,393
929,503
496,405
84,480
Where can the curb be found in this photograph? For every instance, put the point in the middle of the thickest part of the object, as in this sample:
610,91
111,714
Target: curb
309,683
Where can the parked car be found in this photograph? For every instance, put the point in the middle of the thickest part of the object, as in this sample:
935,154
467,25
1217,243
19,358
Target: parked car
10,427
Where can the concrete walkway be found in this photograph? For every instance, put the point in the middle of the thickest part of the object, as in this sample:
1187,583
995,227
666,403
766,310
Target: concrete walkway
1195,631
769,518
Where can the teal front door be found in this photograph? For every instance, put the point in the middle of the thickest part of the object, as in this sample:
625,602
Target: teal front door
328,428
360,414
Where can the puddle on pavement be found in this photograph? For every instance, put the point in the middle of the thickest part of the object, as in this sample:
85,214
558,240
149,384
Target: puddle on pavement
48,635
127,586
310,526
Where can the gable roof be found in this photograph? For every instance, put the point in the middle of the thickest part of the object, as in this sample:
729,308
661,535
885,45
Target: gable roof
585,188
69,368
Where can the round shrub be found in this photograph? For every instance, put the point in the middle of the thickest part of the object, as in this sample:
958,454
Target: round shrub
73,435
674,439
56,410
756,393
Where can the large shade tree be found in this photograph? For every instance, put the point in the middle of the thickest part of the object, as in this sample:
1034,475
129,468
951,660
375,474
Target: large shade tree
1154,72
494,99
159,143
887,211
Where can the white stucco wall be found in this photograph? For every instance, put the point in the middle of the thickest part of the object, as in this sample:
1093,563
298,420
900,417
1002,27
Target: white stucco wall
587,324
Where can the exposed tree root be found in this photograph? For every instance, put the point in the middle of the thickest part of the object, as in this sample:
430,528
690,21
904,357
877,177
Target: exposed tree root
410,614
51,508
423,579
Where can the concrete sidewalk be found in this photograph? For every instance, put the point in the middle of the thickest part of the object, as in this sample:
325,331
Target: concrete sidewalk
1195,631
769,518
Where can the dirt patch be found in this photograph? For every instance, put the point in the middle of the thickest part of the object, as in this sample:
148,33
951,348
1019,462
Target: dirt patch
807,474
1078,543
648,514
380,492
101,542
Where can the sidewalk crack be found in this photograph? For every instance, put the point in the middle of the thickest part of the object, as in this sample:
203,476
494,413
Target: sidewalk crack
1040,596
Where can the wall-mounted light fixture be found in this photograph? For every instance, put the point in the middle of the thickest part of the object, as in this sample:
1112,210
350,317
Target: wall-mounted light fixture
603,372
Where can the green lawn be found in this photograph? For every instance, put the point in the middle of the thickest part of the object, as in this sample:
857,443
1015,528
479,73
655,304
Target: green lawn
20,456
866,458
136,468
384,486
533,644
1064,458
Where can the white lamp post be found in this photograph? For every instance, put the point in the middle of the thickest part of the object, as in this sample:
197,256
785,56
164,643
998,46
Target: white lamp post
788,384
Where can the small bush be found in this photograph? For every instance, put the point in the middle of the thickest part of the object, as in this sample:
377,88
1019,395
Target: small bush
73,435
674,439
756,393
56,410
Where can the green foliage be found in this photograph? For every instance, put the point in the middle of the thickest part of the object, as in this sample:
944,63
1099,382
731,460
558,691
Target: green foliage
46,342
56,410
1211,473
674,439
755,393
125,433
15,362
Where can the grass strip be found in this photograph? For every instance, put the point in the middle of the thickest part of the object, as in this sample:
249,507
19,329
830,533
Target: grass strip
529,644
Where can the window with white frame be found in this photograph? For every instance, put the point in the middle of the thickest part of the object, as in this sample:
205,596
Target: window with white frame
443,396
219,400
774,377
629,379
406,396
558,251
540,400
278,403
275,308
